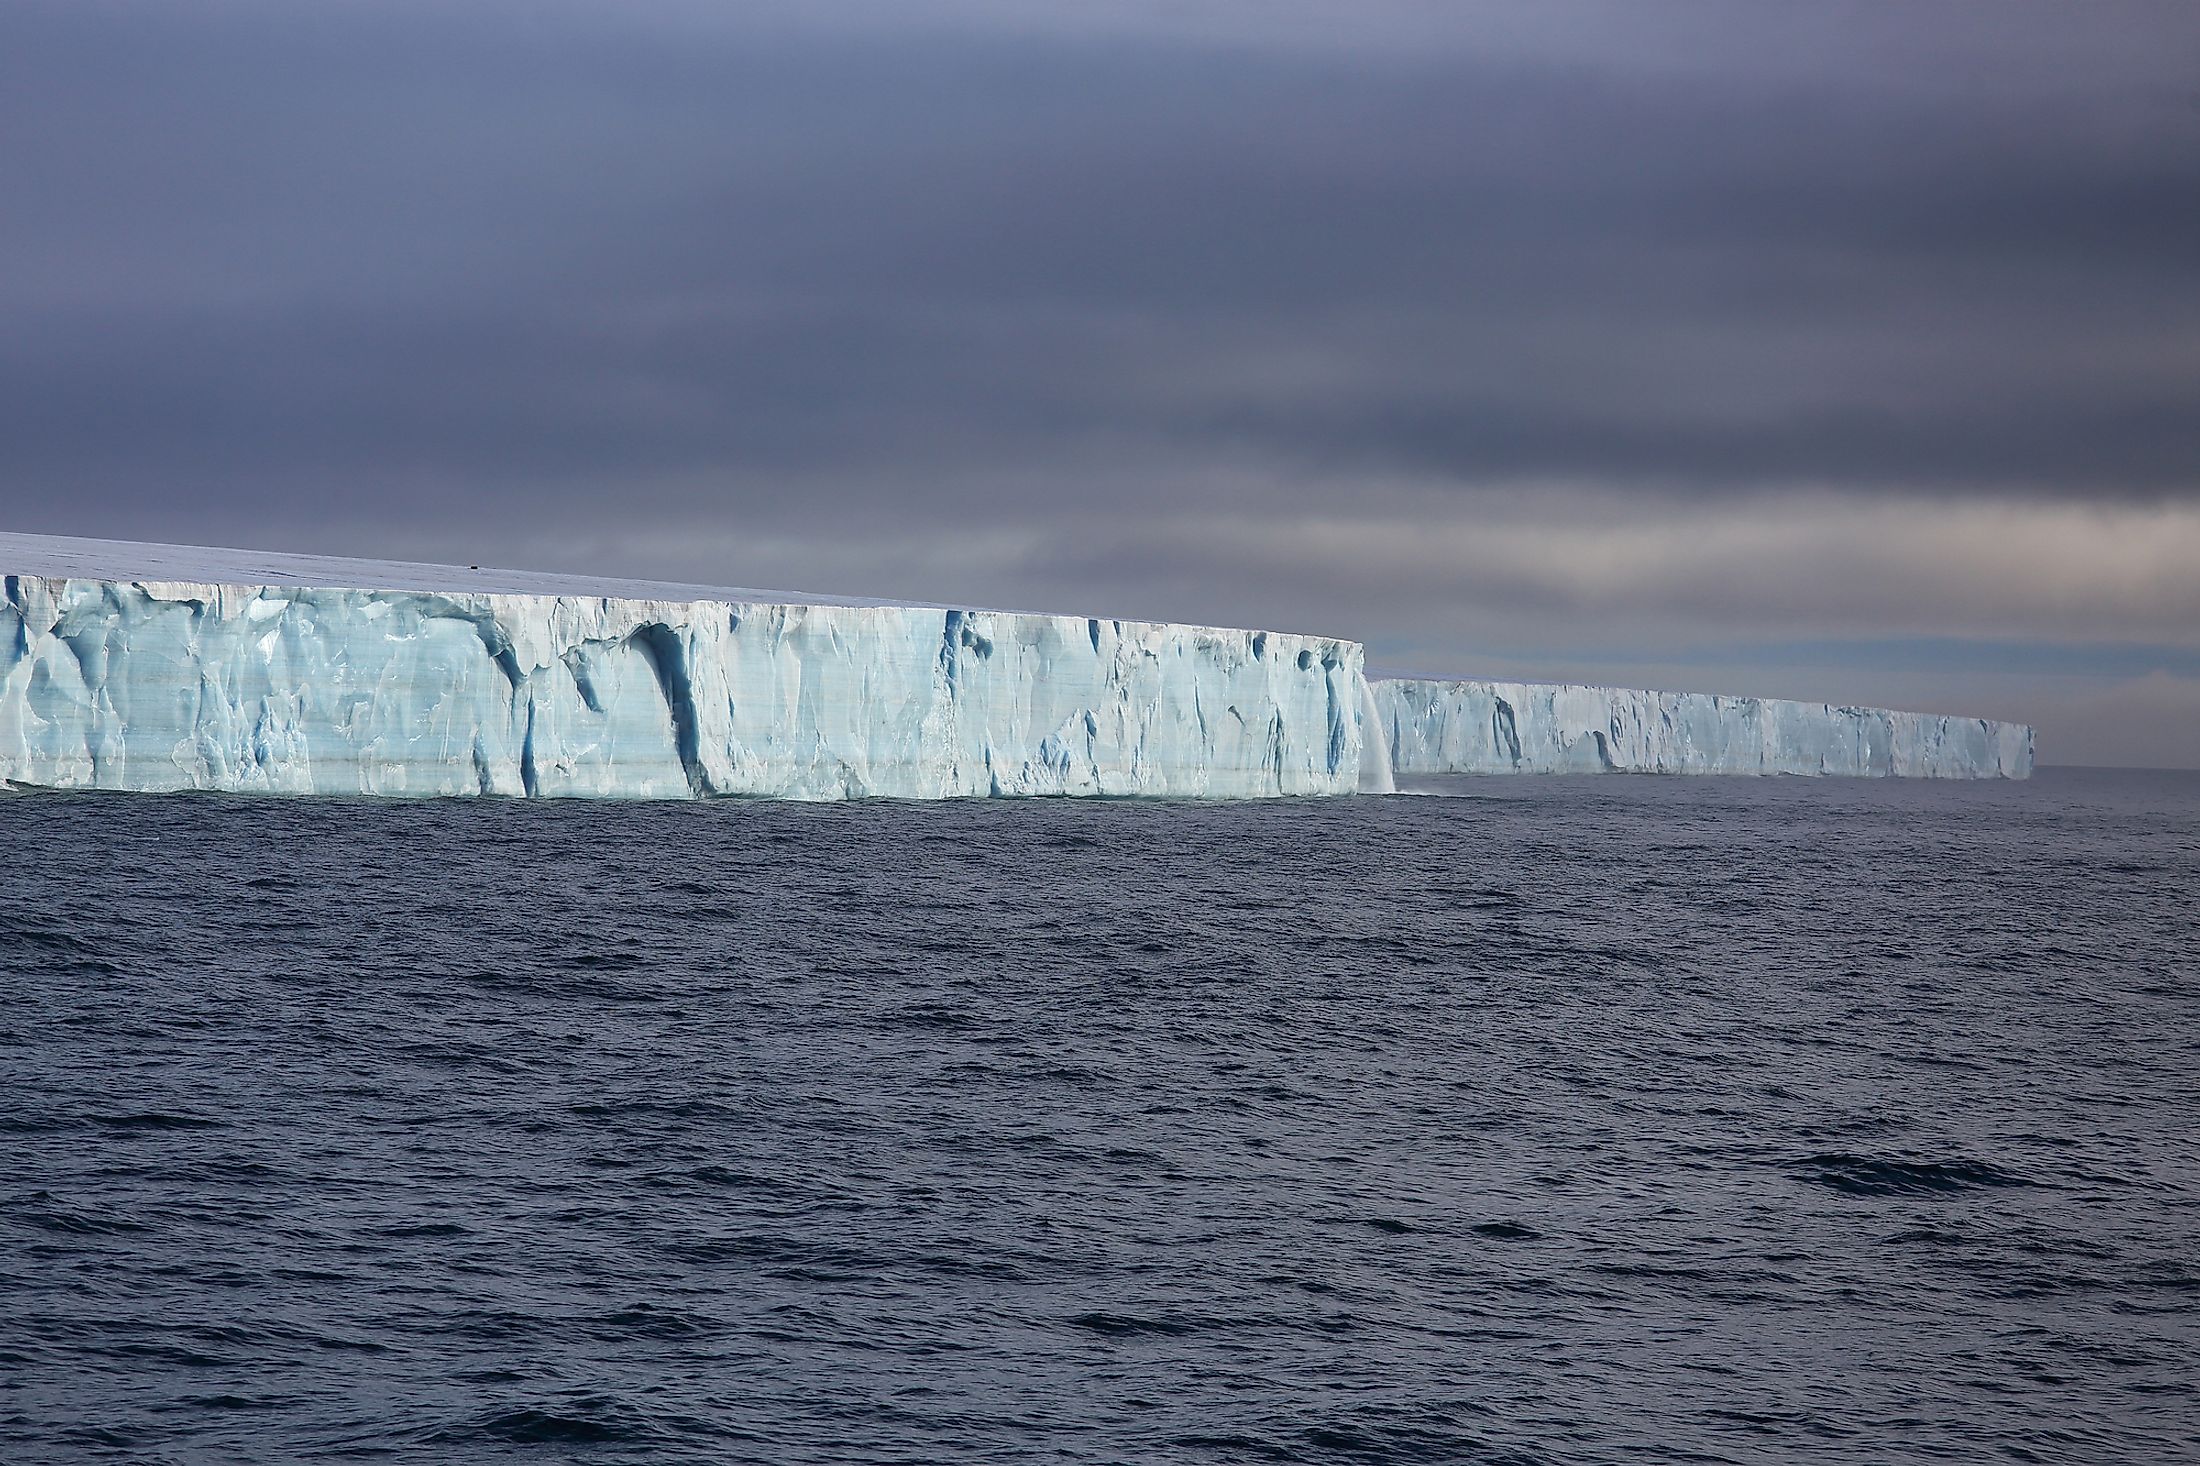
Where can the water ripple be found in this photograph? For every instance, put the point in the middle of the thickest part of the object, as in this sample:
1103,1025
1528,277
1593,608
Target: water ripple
1564,1122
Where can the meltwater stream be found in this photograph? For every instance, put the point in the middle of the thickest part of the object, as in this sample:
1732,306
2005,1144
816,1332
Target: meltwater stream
1570,1121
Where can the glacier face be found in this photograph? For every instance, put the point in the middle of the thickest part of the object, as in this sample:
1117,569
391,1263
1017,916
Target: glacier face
125,681
129,666
1478,727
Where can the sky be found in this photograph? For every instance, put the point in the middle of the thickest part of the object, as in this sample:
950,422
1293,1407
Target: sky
1847,351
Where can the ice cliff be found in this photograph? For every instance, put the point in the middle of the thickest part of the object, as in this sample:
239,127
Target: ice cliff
1522,727
162,668
152,667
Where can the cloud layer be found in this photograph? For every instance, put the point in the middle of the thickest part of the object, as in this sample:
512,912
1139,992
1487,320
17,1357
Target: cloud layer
1742,344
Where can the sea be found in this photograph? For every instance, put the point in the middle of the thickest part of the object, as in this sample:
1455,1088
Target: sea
1524,1120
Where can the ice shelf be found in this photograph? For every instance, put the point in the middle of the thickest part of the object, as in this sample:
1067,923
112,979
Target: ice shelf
1477,727
166,667
151,667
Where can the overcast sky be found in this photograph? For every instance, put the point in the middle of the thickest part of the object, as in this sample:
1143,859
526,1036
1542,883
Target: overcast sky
1833,350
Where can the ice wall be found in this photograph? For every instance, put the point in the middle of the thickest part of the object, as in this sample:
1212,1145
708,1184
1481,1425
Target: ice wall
1517,727
1376,776
122,681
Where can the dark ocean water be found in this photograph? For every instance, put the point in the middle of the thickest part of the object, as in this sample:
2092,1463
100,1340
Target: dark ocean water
1573,1121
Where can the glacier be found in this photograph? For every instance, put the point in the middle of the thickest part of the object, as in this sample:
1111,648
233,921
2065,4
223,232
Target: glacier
160,668
165,667
1486,727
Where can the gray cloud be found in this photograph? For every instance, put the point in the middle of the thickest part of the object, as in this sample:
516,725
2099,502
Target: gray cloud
1139,308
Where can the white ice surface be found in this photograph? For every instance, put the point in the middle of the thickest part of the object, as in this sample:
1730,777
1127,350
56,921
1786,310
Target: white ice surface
58,557
1475,727
153,667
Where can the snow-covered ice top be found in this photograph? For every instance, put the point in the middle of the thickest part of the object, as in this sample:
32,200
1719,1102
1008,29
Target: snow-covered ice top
60,557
